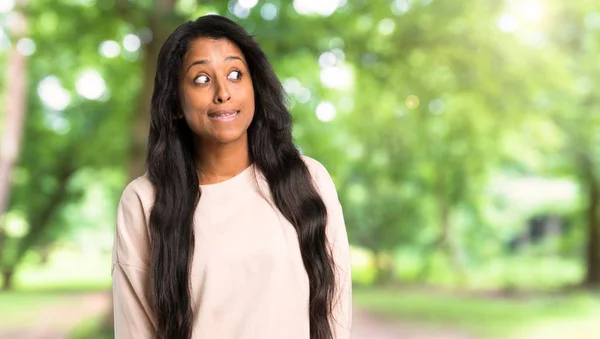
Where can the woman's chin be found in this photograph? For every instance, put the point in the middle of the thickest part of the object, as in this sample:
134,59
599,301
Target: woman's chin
228,137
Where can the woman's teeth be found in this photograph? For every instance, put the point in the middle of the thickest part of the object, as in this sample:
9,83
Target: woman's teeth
224,116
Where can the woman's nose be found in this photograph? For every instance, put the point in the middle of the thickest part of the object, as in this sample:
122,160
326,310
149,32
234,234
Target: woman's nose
222,94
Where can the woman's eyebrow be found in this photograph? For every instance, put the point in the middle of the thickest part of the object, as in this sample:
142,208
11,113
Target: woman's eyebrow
205,62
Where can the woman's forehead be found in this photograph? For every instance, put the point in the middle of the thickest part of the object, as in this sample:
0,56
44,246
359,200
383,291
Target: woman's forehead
209,49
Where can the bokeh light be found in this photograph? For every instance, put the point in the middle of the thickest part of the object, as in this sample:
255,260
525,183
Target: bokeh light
268,11
531,10
325,111
55,121
6,5
436,106
327,59
239,10
249,4
400,7
386,26
592,20
131,42
320,7
292,85
338,77
90,85
507,23
303,95
110,48
336,43
412,101
26,46
15,225
52,94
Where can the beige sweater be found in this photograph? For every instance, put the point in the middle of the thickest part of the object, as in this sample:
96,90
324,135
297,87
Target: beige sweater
247,277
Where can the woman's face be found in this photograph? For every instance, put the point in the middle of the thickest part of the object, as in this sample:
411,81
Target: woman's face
216,91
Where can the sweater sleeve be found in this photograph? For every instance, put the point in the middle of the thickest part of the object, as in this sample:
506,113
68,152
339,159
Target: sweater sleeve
131,299
340,249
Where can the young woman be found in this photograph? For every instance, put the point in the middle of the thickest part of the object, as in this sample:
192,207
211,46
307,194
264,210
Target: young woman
231,233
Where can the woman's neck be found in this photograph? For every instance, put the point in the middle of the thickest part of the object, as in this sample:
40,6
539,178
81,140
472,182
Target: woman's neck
219,162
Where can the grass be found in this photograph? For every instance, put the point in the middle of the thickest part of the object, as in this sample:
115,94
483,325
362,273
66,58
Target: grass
66,270
25,309
40,287
91,329
20,307
527,271
489,317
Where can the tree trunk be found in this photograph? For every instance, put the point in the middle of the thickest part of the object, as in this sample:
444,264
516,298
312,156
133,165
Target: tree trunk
141,121
384,268
445,229
448,243
15,103
160,27
41,220
592,276
7,278
445,241
15,111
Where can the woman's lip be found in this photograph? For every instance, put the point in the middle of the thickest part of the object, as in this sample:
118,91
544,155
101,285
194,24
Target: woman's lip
225,115
223,112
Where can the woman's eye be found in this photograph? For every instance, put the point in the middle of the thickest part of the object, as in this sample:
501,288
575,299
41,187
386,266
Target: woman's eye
202,79
235,75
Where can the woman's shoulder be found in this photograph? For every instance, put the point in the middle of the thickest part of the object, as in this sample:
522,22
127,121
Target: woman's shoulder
315,167
139,190
131,231
320,175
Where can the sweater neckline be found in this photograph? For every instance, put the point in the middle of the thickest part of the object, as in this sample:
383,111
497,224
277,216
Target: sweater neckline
241,177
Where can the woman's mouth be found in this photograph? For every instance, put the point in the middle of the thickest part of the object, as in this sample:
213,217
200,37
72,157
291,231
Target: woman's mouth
224,115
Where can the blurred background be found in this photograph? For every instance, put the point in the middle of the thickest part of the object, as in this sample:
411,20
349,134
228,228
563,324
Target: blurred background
463,137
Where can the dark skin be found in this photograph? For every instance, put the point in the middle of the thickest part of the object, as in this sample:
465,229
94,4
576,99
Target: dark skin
217,98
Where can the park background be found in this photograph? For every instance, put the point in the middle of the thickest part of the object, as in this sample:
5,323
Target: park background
463,137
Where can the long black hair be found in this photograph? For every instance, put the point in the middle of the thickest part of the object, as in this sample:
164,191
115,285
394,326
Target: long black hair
172,171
